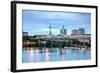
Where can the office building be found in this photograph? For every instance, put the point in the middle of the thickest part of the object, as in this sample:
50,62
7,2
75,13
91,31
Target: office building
63,31
82,31
79,31
25,33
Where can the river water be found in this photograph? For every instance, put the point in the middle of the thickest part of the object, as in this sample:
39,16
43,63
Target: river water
54,54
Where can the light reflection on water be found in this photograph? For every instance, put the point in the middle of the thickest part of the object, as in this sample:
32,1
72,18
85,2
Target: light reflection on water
53,54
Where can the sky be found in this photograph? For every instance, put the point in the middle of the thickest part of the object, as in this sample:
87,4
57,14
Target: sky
38,22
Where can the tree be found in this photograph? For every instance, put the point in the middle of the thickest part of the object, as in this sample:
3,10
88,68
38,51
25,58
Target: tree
25,38
75,42
87,44
69,43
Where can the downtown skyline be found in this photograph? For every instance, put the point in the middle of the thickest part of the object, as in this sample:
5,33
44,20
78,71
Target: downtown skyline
38,22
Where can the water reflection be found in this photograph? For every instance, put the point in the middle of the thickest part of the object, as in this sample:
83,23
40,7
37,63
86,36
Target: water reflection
47,55
54,54
31,51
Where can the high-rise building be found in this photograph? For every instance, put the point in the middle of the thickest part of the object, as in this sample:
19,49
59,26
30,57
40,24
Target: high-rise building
63,31
50,32
75,32
82,31
79,31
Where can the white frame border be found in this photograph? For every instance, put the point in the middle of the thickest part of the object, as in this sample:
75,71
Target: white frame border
21,66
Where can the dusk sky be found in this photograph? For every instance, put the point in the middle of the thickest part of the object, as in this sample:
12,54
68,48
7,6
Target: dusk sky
38,22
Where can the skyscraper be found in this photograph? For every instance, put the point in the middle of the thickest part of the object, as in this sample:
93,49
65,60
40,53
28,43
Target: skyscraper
75,32
82,31
63,31
79,31
50,32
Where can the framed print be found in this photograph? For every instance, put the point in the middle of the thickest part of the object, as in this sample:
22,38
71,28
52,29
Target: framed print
47,36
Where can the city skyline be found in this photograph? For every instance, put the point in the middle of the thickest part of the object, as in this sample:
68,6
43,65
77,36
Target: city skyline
38,22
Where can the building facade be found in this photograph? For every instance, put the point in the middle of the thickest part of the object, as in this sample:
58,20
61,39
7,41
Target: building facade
25,33
79,31
82,31
63,31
